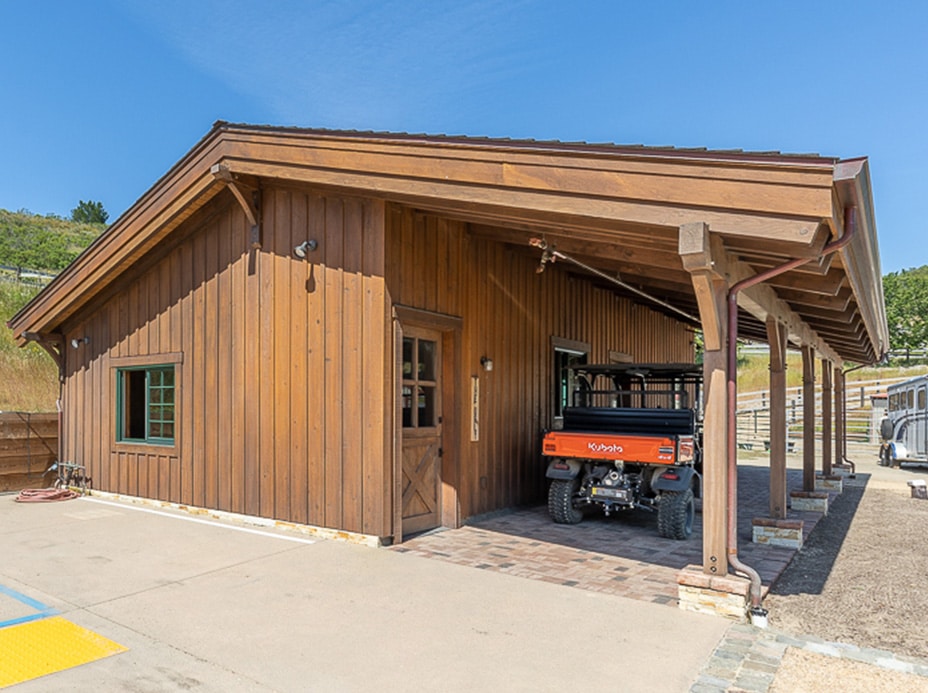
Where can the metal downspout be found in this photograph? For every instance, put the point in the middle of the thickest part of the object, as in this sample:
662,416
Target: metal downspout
845,462
850,228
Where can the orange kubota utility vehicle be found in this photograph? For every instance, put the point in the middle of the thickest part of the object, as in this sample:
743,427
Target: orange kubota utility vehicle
631,438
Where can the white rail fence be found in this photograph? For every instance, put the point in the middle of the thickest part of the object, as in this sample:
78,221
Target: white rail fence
863,418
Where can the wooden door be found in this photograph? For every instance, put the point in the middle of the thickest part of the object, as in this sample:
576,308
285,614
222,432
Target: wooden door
421,396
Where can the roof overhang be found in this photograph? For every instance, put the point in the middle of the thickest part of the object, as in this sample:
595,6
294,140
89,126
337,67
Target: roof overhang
618,208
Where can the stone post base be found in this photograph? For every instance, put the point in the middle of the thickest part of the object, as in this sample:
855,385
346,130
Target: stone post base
829,484
785,533
815,501
727,595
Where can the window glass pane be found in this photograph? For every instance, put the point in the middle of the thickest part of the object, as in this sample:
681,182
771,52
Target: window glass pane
426,359
921,398
146,401
565,380
911,394
134,405
407,407
426,406
408,343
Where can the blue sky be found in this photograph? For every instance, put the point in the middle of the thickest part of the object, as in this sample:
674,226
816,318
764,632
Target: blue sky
99,98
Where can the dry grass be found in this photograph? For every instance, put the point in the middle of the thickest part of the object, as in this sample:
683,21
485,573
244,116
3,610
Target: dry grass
28,376
754,372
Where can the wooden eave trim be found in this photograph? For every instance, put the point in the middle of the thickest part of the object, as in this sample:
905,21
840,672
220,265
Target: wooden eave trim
164,207
784,167
807,194
861,258
454,194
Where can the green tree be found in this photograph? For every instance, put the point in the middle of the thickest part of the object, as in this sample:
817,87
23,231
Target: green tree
89,212
906,295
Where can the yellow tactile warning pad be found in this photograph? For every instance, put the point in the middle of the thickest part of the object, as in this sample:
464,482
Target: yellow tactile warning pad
37,648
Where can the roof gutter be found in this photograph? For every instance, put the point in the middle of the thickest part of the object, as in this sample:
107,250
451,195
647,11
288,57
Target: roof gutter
850,229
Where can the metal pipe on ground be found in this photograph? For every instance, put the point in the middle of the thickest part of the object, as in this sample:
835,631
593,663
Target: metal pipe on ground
758,613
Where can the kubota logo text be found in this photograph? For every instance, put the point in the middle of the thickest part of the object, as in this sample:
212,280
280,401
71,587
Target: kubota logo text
602,447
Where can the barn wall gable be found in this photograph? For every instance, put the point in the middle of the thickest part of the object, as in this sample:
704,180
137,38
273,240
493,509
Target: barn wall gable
280,365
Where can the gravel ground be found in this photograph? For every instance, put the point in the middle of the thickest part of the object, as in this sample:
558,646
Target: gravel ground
860,577
808,672
858,580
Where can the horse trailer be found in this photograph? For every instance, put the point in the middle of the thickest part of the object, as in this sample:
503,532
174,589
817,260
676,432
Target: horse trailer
905,429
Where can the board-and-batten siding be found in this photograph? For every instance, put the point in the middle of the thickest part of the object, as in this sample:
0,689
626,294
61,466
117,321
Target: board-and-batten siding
282,387
510,313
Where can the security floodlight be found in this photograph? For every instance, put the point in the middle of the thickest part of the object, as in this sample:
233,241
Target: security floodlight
305,247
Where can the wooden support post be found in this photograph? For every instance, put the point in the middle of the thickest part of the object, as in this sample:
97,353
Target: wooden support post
776,337
840,424
808,418
827,371
703,257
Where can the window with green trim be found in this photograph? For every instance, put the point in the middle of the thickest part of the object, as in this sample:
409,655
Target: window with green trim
145,405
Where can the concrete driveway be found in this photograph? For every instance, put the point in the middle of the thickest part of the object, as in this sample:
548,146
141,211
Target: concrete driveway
210,606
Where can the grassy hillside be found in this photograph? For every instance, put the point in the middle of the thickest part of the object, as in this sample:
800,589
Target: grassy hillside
46,243
28,376
754,372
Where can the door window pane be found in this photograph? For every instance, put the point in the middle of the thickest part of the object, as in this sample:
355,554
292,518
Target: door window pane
407,407
421,366
426,360
408,350
426,406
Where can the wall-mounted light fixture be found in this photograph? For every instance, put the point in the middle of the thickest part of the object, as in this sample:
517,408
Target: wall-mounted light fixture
305,247
78,341
487,363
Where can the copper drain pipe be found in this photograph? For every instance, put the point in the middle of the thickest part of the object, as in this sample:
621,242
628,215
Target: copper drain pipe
845,462
850,229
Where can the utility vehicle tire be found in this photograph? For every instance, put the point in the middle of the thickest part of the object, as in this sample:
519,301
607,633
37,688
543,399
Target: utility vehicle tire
675,514
561,501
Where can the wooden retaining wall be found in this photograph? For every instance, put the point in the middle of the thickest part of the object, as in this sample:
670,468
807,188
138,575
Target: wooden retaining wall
28,447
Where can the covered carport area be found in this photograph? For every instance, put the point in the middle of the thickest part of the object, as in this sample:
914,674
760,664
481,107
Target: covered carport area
770,247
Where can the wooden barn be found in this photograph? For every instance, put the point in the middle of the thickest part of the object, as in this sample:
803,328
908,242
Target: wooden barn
349,330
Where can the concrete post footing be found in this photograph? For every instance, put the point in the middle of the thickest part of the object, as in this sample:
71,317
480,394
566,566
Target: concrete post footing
720,595
829,484
809,501
785,533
